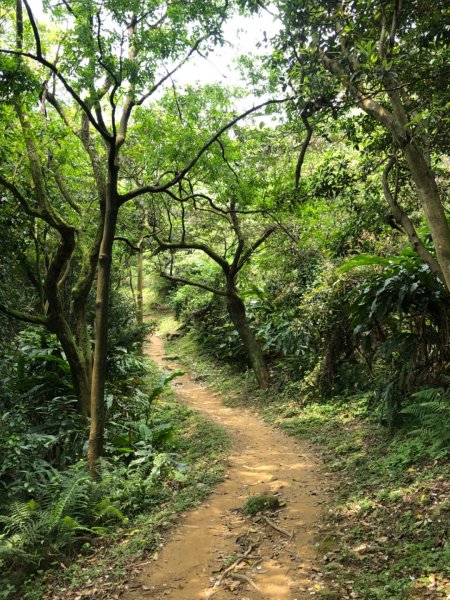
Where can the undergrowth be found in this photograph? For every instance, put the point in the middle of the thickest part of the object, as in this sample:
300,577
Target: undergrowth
385,533
68,539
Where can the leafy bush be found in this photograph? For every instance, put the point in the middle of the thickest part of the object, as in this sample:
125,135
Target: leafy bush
40,426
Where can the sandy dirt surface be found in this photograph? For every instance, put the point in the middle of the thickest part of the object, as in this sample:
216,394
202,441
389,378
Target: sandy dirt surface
279,563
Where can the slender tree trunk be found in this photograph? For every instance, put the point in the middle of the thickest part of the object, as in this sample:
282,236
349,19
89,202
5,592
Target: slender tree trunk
140,286
95,449
236,310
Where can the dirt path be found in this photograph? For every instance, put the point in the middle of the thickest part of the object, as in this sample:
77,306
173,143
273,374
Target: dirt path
262,459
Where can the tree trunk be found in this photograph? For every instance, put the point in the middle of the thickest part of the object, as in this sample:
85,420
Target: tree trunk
428,194
84,345
424,180
79,364
236,310
140,286
95,449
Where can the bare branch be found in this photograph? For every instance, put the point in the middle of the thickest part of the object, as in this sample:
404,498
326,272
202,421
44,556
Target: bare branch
36,35
219,141
169,74
193,246
194,196
246,256
119,238
65,192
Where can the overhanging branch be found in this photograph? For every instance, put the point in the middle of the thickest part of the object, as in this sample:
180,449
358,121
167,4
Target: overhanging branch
22,316
193,246
194,283
152,189
246,256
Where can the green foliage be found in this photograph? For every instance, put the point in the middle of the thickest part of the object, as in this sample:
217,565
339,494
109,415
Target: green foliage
430,408
35,532
40,426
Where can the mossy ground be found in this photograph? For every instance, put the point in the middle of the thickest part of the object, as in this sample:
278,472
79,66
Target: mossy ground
385,535
255,504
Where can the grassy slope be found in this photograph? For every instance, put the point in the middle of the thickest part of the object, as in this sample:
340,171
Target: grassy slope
111,561
386,533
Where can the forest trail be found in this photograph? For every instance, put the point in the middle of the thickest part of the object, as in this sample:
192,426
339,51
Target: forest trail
262,459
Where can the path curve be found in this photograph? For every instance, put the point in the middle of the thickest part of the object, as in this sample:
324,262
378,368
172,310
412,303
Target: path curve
262,459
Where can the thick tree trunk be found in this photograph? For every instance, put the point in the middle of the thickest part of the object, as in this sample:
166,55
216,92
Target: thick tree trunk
79,363
84,345
421,174
428,194
95,449
236,310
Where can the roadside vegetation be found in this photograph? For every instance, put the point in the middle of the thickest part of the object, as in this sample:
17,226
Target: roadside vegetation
385,530
61,530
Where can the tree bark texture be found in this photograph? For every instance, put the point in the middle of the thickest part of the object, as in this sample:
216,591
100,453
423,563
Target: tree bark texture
236,310
140,285
97,424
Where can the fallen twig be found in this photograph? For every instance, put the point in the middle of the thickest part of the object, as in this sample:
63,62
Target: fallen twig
234,565
279,529
241,577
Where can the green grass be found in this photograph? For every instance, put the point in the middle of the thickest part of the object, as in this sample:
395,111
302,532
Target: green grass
104,562
389,514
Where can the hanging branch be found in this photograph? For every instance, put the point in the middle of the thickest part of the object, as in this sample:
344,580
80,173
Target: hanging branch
219,141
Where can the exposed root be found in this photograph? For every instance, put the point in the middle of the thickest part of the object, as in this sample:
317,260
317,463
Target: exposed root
279,529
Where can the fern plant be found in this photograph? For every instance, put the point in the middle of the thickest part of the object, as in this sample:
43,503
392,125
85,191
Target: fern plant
432,411
33,533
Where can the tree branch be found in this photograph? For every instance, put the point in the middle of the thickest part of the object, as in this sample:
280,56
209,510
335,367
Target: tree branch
119,238
169,74
193,246
152,189
36,35
21,316
301,158
31,212
54,69
194,283
246,256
